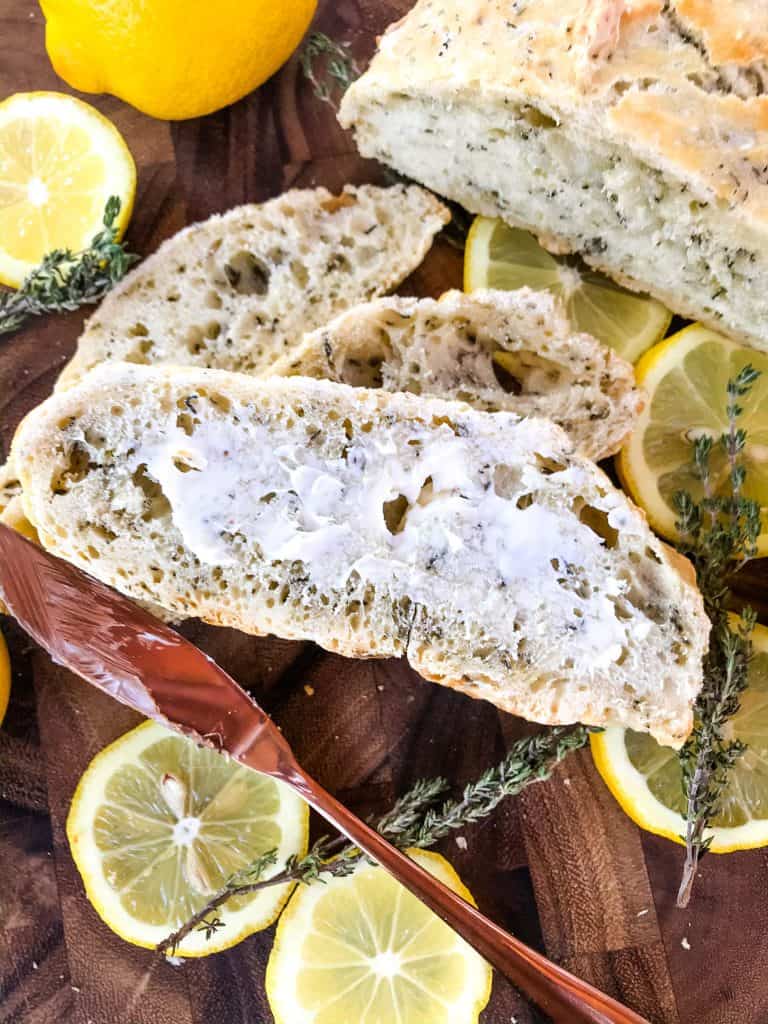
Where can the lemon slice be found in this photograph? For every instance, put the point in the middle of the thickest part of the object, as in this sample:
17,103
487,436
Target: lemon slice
157,825
60,160
363,949
686,377
499,256
5,678
646,779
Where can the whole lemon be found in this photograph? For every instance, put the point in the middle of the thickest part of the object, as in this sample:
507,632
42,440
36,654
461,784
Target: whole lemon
172,59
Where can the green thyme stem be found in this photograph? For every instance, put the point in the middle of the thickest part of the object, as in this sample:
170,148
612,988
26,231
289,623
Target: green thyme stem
414,821
328,66
66,280
718,534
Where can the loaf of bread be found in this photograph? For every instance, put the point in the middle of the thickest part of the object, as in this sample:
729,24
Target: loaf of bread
634,133
512,351
479,546
237,290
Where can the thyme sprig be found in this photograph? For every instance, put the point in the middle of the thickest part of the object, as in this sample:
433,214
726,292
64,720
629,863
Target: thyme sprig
719,533
414,820
328,66
66,280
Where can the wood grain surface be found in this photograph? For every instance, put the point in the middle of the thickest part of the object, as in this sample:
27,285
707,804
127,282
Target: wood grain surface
561,867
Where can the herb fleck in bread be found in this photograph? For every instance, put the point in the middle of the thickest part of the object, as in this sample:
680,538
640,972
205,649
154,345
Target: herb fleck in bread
495,350
376,524
633,133
235,291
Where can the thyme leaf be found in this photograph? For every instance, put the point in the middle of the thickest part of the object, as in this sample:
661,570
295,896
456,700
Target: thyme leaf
66,280
719,533
328,66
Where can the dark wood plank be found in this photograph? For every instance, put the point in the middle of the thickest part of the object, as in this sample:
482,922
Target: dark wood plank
561,867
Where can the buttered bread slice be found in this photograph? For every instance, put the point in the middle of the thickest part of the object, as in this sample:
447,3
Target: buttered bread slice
478,546
237,290
495,350
634,133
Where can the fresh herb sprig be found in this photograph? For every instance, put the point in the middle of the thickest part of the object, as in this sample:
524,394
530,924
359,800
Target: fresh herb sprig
415,820
66,280
328,66
719,533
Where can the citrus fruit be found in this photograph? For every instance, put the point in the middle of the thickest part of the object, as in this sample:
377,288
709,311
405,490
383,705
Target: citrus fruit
646,779
5,678
686,377
172,59
499,256
363,949
157,825
60,161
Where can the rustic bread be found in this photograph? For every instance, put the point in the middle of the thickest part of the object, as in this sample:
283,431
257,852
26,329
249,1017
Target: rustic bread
235,291
512,351
479,546
10,487
633,133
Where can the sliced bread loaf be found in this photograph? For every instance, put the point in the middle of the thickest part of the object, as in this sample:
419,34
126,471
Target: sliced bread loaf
235,291
495,350
634,133
479,546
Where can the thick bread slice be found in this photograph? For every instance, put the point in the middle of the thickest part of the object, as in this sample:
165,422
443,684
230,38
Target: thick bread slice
10,487
633,133
375,524
235,291
495,350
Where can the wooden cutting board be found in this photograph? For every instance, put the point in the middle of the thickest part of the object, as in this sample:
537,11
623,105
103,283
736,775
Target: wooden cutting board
561,867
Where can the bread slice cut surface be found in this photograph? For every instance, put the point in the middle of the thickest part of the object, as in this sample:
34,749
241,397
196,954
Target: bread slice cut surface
479,546
237,290
498,351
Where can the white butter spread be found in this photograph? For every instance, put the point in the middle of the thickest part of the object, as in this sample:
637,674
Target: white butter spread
231,491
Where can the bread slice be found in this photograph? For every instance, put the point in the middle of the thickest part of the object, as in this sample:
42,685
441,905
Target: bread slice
10,487
635,134
235,291
495,350
479,546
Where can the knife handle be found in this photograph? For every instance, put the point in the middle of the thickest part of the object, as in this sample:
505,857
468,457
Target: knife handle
566,998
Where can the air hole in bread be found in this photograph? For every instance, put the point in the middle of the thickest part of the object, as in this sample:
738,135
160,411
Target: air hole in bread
394,513
335,203
213,299
300,273
547,466
524,501
506,380
186,422
77,467
597,520
528,373
138,331
194,340
362,373
155,505
187,461
247,274
537,118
